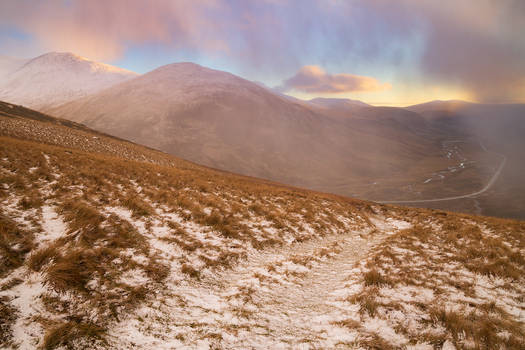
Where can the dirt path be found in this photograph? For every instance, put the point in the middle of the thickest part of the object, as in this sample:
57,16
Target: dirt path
278,298
298,307
304,310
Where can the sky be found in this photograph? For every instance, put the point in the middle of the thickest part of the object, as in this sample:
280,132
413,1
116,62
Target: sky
384,52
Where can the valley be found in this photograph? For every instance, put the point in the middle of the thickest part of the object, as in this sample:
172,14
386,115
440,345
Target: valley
463,164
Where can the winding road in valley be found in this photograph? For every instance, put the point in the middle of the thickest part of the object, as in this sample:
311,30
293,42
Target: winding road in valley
489,184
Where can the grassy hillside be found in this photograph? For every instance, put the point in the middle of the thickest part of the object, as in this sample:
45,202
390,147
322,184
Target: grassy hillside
108,244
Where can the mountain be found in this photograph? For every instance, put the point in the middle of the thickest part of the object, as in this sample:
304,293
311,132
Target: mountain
220,120
106,244
56,78
422,155
439,105
342,103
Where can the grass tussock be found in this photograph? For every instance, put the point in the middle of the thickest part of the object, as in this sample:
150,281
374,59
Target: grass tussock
138,207
375,278
42,256
15,243
72,334
190,271
8,316
72,271
481,328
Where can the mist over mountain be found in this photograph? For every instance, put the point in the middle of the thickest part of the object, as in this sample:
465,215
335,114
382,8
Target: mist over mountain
499,128
55,78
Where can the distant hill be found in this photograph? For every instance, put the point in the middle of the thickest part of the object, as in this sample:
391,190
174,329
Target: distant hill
343,103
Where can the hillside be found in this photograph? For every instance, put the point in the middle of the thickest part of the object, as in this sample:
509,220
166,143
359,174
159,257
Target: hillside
108,244
223,121
338,146
55,78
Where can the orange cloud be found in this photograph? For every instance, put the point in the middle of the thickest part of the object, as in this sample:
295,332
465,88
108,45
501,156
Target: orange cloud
101,30
313,79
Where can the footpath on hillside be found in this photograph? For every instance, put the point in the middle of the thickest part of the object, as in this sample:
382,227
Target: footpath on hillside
277,298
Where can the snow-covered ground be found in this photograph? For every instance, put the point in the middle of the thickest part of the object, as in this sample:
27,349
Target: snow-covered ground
154,257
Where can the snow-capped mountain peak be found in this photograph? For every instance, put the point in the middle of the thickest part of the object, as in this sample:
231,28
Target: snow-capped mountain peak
70,60
55,78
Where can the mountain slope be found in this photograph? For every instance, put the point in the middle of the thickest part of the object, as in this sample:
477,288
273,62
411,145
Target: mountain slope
220,120
105,244
55,78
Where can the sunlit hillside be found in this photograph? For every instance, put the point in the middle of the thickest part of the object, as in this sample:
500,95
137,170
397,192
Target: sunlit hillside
108,244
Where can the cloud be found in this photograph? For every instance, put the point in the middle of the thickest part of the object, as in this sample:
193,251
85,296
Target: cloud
313,79
103,30
480,49
476,46
473,45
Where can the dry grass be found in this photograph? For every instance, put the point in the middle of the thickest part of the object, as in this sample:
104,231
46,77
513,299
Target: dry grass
15,243
375,278
483,327
81,185
474,276
7,318
213,219
71,334
42,256
190,270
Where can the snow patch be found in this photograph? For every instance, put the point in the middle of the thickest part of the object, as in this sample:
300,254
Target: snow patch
52,224
134,278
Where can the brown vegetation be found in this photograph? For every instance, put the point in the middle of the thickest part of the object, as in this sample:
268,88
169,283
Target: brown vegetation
120,201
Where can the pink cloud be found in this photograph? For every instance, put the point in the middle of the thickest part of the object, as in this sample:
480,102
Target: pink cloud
101,30
313,79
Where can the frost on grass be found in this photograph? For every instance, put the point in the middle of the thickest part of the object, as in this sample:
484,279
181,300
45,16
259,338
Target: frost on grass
119,254
449,284
105,235
24,299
